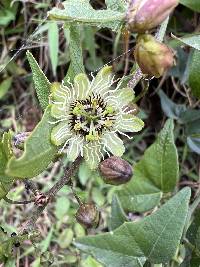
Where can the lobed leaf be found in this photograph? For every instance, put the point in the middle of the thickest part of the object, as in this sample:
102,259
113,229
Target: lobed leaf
156,237
155,173
85,14
38,152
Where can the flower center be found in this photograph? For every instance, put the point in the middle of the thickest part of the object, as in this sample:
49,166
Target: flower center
89,117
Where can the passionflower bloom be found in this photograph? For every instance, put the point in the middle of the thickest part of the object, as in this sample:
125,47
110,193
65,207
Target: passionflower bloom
90,115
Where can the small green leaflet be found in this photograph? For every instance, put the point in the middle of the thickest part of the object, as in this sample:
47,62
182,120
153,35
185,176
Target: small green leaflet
156,237
42,85
38,153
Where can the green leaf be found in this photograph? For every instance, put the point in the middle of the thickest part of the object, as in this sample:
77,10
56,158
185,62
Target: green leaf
117,5
61,207
171,109
90,262
42,85
159,166
156,171
4,188
76,54
194,74
192,4
156,237
38,152
194,144
84,13
118,216
5,86
44,245
191,40
53,40
65,238
138,202
84,173
6,153
7,12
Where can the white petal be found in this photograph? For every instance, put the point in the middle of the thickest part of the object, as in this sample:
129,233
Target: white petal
75,148
92,154
103,81
129,123
113,143
82,86
60,134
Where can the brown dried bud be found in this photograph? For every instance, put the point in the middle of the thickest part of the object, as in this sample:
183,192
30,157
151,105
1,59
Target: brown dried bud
143,15
88,215
41,199
115,171
154,58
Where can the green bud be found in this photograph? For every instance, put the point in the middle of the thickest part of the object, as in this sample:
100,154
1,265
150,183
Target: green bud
154,58
115,171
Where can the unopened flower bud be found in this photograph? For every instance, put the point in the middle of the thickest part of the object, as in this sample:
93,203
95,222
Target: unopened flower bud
143,15
87,215
154,58
115,171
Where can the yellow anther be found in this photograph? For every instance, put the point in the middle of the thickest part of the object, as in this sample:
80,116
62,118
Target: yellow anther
77,126
94,103
108,123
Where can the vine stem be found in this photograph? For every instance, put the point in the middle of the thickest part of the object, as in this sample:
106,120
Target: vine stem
10,201
30,223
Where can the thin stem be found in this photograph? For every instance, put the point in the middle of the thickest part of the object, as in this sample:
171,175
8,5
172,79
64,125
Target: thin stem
191,247
74,193
10,201
30,223
143,93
